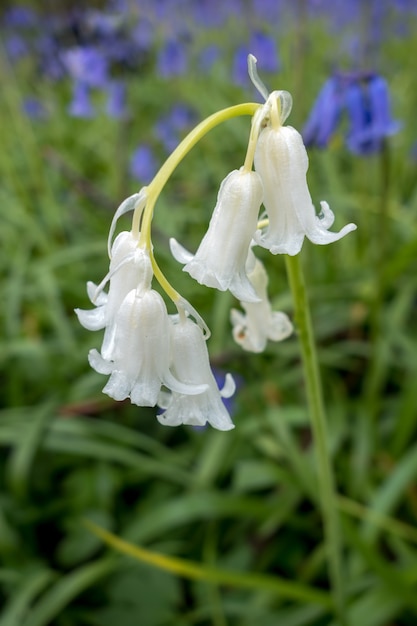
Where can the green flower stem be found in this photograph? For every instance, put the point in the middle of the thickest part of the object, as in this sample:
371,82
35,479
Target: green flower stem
155,187
157,184
326,483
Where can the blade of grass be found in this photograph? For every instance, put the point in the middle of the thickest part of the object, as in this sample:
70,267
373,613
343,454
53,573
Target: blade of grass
377,519
19,604
66,589
22,458
195,571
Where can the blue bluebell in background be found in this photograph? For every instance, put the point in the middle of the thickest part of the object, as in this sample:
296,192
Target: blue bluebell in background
143,164
361,98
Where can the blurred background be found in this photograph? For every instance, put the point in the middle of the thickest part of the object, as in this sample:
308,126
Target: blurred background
93,98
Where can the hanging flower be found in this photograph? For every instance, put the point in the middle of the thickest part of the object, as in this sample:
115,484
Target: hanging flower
281,161
220,259
138,363
191,366
130,268
259,323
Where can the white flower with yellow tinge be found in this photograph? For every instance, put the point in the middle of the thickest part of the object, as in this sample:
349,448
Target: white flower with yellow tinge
281,161
139,361
221,256
259,323
130,268
136,348
191,366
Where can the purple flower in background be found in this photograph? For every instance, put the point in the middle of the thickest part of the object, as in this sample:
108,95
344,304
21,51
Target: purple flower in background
80,105
324,115
406,5
268,10
172,59
101,23
240,66
209,13
143,34
181,117
50,57
370,117
86,64
20,17
116,99
364,98
233,8
34,108
16,47
208,57
170,128
264,48
143,165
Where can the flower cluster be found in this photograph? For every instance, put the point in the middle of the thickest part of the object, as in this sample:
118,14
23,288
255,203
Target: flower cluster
153,357
150,356
364,98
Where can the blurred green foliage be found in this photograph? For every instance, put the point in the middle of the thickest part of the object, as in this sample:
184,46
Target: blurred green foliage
245,500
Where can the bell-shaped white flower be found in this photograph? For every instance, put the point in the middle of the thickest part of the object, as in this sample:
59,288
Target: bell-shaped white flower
220,259
130,268
191,366
140,354
259,323
282,162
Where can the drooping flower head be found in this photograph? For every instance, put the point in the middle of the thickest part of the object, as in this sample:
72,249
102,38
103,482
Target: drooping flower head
136,348
140,356
191,365
259,323
221,257
152,357
281,161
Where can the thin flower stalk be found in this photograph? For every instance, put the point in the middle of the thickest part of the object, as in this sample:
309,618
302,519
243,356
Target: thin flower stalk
325,475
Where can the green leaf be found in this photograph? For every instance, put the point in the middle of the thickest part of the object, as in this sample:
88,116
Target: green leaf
66,589
195,571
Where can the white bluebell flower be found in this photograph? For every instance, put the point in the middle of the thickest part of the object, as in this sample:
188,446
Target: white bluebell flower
130,268
140,355
281,161
191,365
259,323
221,257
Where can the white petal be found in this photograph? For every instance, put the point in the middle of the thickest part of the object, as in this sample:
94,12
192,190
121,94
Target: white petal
191,365
95,297
247,335
178,251
131,203
186,389
145,391
221,256
99,364
242,289
229,387
280,326
282,161
108,345
94,319
196,411
326,215
190,310
164,398
118,386
169,419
